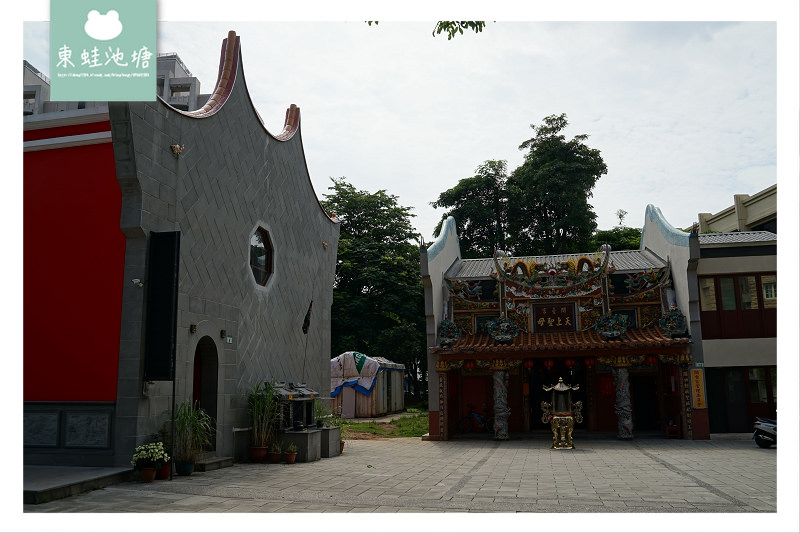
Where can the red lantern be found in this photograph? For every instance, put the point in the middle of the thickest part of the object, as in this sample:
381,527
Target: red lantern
589,362
528,363
548,363
469,365
569,362
651,360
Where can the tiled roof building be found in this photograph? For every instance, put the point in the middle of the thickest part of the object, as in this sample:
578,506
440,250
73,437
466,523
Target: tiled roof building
663,338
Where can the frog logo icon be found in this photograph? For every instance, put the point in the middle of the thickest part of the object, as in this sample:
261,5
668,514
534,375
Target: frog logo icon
103,27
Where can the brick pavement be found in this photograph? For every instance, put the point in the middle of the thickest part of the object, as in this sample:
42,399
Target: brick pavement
475,476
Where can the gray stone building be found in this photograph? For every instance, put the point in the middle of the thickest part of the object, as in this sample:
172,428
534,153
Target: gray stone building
225,247
726,284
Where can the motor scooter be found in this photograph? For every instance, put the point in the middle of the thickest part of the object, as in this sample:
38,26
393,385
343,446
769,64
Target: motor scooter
765,432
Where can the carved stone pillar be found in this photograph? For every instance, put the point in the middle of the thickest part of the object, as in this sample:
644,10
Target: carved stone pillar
623,407
501,410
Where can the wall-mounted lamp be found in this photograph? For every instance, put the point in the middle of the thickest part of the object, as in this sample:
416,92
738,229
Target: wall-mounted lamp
192,328
137,282
223,334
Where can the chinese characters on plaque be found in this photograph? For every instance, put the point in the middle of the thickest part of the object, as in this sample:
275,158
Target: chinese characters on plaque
554,317
698,389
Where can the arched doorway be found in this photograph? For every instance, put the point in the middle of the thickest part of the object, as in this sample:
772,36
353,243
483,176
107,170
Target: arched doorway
204,383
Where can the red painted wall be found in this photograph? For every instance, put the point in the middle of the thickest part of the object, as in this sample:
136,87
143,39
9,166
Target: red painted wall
73,267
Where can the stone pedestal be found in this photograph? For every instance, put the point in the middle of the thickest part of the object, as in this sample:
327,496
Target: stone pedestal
331,437
562,431
308,443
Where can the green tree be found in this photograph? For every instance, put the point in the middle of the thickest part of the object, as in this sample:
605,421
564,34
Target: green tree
540,209
620,238
378,306
549,212
450,27
479,205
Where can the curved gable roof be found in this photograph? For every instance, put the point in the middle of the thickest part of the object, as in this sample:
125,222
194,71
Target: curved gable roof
230,71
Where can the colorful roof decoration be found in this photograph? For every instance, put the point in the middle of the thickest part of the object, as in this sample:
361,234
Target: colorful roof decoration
588,340
621,262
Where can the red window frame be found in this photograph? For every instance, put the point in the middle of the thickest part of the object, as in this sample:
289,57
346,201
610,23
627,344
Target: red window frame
738,323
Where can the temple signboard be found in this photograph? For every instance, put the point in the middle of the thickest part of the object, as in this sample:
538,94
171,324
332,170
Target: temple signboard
698,389
554,317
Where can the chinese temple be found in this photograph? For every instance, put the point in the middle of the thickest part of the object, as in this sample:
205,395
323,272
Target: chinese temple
502,330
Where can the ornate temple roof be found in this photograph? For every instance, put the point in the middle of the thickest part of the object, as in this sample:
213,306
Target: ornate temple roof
650,338
622,261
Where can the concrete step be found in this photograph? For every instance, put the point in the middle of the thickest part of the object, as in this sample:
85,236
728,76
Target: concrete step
47,483
207,464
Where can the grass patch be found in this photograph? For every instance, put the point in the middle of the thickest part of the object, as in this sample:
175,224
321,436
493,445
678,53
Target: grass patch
415,425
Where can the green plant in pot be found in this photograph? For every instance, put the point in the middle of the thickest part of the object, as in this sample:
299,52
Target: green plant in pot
322,414
291,453
193,431
275,451
164,436
149,457
338,420
262,406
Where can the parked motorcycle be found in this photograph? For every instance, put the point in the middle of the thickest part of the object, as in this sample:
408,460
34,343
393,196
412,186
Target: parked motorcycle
765,432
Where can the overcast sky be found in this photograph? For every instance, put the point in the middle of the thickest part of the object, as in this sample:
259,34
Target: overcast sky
684,113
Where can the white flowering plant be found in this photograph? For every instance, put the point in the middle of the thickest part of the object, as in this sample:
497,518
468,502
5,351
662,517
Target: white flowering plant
149,455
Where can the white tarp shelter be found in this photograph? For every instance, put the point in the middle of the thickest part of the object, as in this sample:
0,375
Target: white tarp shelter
363,386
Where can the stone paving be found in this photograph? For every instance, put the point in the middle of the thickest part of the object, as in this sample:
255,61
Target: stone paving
474,476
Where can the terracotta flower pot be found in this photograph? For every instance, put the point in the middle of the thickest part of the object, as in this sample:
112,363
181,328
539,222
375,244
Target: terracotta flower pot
148,474
257,453
290,457
274,457
164,470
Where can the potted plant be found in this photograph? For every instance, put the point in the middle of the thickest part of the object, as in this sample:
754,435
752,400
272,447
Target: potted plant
291,453
275,452
339,420
262,406
321,413
147,458
193,430
163,436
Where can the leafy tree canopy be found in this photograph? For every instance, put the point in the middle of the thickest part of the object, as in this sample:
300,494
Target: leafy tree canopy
479,206
549,193
620,238
540,209
450,27
378,304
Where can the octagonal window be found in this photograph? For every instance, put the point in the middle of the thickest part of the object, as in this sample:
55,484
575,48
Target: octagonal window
261,256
